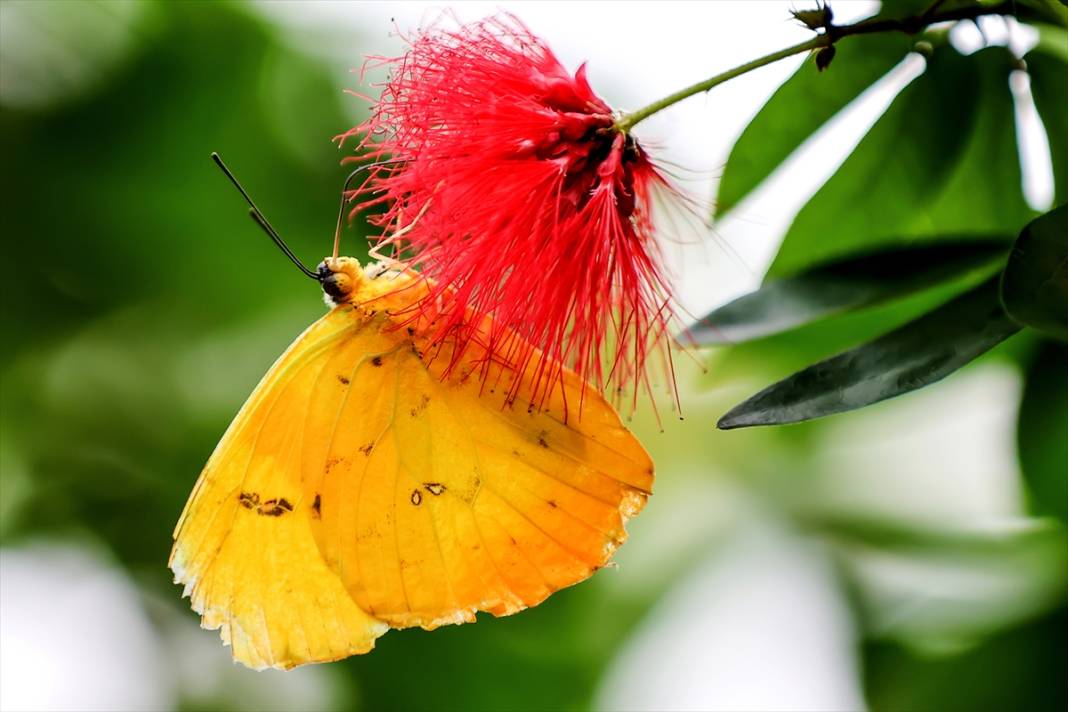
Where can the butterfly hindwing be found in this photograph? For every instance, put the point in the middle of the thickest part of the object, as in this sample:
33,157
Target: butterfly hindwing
464,499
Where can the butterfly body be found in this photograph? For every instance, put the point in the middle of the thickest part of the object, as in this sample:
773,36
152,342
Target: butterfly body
375,479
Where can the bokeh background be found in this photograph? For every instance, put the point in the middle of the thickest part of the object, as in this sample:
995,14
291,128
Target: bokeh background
884,559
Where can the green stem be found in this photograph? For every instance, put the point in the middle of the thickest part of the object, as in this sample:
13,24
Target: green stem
626,123
831,34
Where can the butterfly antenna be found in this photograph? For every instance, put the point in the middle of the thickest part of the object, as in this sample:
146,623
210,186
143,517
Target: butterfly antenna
260,220
345,189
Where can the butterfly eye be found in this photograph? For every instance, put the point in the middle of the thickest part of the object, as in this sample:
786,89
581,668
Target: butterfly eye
337,285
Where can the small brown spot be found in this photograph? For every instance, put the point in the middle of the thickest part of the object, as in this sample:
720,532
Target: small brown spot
434,488
417,497
515,452
268,508
552,503
275,507
330,462
317,507
411,331
376,361
366,449
344,381
514,542
542,439
424,401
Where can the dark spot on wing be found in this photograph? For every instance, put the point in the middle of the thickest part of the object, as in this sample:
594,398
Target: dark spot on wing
317,507
515,452
267,508
366,449
417,497
275,507
424,401
344,381
552,503
330,462
542,439
434,488
376,361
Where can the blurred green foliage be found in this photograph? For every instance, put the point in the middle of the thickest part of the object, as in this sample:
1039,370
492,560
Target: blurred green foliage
140,307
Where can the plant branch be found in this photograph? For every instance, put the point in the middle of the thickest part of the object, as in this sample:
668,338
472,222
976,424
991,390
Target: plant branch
828,37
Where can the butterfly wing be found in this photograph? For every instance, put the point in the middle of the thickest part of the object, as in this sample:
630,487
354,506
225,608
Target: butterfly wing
361,489
244,548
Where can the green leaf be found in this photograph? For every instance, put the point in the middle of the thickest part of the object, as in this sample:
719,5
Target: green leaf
841,286
886,532
984,193
1034,285
1054,11
1042,431
1048,72
805,102
1017,668
941,160
915,355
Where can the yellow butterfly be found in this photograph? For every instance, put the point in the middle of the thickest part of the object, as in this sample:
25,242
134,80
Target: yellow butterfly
366,485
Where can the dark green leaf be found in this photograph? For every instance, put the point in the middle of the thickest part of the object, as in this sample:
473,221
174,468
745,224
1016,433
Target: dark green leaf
841,286
984,192
1042,433
1021,668
770,358
1048,73
1055,11
1034,540
900,9
942,160
1034,286
915,355
805,102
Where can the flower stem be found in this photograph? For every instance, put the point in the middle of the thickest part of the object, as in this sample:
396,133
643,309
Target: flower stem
626,122
830,34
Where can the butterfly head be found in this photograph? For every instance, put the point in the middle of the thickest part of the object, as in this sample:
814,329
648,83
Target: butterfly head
340,277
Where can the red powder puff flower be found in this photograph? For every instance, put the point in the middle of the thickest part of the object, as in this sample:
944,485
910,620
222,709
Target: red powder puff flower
510,185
